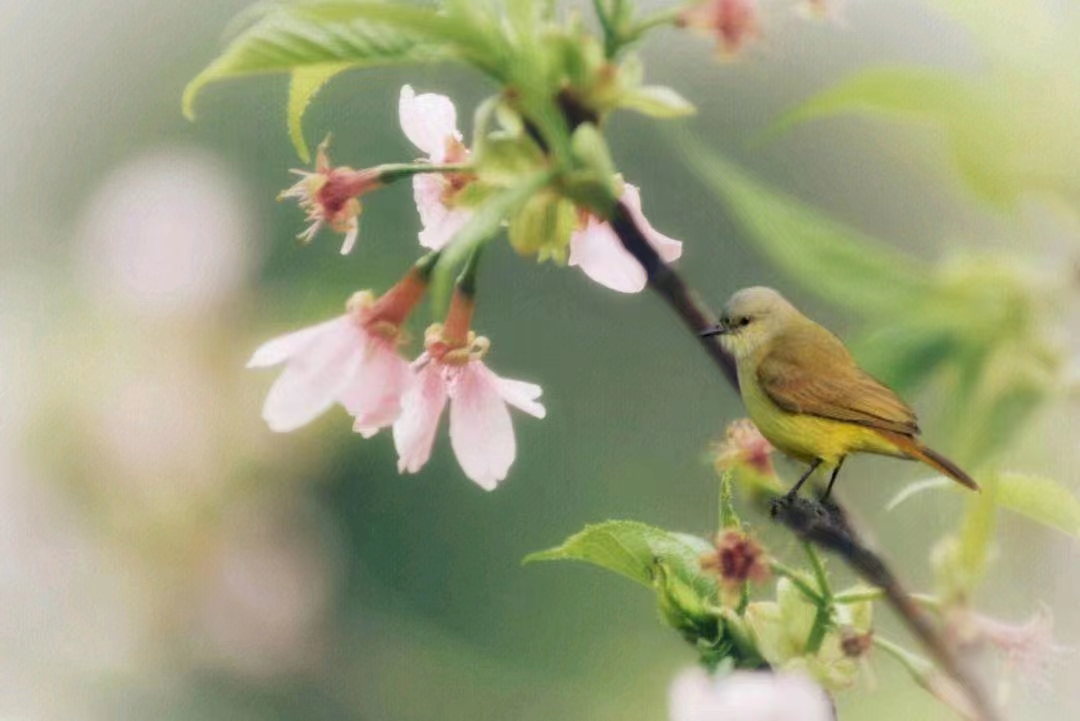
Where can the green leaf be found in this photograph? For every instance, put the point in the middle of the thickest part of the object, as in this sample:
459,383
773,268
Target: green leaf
1043,500
484,223
633,549
835,261
657,101
1006,132
303,86
288,37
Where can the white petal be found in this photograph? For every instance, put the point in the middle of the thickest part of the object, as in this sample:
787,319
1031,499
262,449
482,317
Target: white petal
374,395
669,249
481,433
280,349
521,395
598,252
428,120
438,235
313,380
414,430
350,238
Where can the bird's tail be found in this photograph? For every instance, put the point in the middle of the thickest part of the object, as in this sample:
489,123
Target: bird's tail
916,450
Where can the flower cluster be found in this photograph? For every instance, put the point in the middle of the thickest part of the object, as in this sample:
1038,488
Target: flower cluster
354,360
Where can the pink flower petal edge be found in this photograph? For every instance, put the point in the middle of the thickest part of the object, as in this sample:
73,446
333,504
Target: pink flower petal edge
596,249
428,120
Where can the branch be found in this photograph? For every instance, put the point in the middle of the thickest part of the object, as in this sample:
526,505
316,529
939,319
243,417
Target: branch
824,525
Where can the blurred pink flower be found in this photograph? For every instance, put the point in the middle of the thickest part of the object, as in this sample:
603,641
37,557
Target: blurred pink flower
1028,647
430,122
330,196
481,432
733,23
743,443
351,360
597,250
696,695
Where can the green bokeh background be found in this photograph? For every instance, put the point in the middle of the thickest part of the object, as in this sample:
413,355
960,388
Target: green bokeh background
423,611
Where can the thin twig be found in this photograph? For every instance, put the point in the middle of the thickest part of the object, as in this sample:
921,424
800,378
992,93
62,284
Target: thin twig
825,526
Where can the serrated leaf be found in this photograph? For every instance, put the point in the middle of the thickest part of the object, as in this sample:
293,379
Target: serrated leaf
632,549
304,84
288,37
834,260
1041,499
657,101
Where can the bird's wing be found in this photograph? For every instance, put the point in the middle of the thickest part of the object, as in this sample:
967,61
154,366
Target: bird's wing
810,371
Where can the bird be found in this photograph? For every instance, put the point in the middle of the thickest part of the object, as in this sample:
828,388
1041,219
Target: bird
809,398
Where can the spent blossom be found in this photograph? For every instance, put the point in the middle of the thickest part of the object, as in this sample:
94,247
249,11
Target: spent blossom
737,559
429,121
351,360
733,23
697,695
330,197
744,444
597,250
451,369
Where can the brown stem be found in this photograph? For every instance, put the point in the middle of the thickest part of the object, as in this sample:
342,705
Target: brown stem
824,525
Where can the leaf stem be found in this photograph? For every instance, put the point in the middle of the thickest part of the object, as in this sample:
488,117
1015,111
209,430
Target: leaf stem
391,172
782,569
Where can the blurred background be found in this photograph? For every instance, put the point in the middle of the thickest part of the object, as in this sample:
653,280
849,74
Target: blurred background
164,555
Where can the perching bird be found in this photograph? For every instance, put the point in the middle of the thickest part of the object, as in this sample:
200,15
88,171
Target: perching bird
807,396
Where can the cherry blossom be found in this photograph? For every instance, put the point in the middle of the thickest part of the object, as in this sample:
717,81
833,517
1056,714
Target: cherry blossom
330,196
351,360
744,444
429,120
451,369
596,249
733,23
695,695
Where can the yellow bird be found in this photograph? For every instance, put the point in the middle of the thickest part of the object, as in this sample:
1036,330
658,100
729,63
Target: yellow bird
808,397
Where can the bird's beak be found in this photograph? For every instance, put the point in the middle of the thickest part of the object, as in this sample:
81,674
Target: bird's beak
718,330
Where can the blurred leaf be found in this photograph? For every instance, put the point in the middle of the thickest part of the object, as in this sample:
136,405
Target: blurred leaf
1043,500
481,227
634,549
835,261
903,356
303,85
1007,133
657,101
287,37
915,488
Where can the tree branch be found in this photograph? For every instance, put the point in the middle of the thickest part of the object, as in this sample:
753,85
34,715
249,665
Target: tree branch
824,525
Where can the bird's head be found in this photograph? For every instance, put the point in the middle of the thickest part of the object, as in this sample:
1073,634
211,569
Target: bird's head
751,318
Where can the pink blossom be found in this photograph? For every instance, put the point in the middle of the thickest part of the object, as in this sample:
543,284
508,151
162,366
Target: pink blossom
351,360
733,23
430,122
597,250
1028,648
481,432
330,196
696,695
743,443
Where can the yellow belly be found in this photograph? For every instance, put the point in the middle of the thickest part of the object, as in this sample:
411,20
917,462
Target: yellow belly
808,437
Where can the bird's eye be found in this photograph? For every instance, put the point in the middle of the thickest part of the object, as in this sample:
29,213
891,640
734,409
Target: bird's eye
744,321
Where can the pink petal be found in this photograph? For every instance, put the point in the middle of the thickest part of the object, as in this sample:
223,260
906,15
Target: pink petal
283,347
428,120
440,222
521,395
598,252
374,396
414,430
668,248
481,433
313,379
